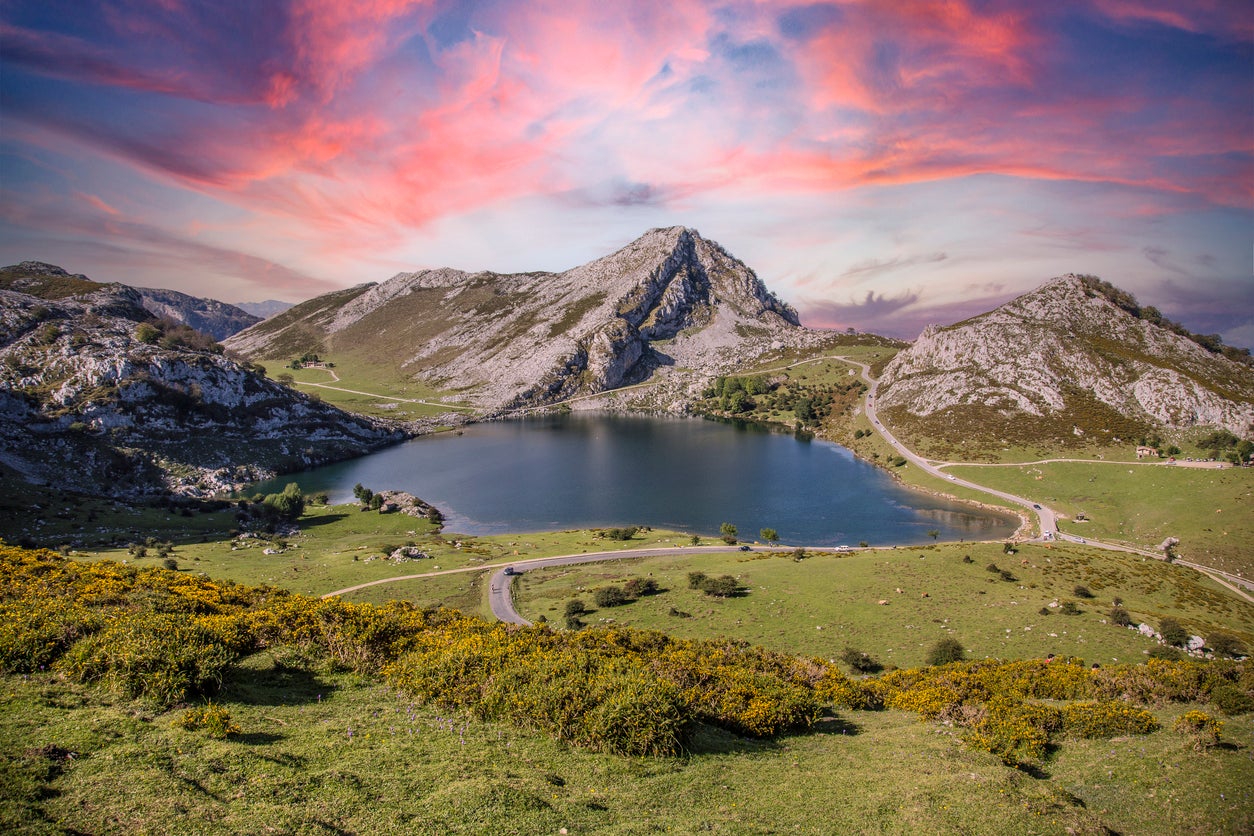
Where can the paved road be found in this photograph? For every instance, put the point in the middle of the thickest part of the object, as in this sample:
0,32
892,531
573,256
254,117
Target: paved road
1045,516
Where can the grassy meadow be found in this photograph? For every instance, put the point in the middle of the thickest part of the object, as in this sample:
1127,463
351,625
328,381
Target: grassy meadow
77,761
321,735
1207,509
390,393
826,602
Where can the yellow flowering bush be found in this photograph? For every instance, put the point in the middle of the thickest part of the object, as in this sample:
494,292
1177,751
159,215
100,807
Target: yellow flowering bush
213,720
163,659
1106,718
1201,729
1017,732
34,633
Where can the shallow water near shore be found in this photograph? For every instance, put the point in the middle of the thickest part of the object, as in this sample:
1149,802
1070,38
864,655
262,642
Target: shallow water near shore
558,472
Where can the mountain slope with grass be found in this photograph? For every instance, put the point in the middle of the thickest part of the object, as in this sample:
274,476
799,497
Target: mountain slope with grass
98,396
1075,361
669,299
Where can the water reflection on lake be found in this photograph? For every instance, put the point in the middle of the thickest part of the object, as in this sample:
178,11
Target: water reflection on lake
589,470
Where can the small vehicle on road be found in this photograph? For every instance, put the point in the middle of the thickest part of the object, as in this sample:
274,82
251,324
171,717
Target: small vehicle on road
510,570
744,548
1036,506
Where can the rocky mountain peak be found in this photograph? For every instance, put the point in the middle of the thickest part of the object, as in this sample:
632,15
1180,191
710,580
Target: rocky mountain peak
1078,352
668,298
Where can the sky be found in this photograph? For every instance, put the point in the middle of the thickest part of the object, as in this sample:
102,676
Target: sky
881,164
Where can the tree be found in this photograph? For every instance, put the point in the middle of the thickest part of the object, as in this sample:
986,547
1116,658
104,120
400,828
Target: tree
575,608
695,540
696,579
728,532
639,587
1172,631
287,505
1119,616
770,535
946,651
933,533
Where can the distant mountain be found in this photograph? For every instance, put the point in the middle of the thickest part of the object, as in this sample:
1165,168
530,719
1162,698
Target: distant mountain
669,299
217,319
266,309
97,396
48,281
1074,360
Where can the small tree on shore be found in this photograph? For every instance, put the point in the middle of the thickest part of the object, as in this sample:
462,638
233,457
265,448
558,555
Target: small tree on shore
728,533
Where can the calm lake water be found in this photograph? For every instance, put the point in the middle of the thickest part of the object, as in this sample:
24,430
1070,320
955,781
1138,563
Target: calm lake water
591,470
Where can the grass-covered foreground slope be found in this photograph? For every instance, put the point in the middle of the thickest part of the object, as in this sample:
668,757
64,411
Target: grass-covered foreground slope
331,717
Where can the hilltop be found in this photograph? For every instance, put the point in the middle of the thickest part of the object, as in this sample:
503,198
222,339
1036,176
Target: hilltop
1072,362
670,299
98,396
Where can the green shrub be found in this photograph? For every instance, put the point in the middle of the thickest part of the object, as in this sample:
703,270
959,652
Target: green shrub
1172,632
1069,607
724,586
1225,645
860,661
946,651
639,587
1170,654
1119,616
610,596
1231,700
695,579
163,659
575,607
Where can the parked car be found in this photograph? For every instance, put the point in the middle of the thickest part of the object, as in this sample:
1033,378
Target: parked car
744,548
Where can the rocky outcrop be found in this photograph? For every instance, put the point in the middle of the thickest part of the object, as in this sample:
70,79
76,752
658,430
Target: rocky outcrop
1041,353
90,401
669,299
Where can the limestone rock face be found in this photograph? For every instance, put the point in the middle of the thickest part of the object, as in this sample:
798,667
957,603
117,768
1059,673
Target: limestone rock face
670,298
86,403
1037,353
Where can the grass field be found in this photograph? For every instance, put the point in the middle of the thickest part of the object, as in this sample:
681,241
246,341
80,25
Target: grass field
323,752
396,392
822,604
1208,510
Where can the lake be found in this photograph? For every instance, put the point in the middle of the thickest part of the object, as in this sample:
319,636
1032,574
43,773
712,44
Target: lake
584,470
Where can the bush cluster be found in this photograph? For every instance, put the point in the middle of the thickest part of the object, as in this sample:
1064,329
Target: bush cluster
724,586
166,638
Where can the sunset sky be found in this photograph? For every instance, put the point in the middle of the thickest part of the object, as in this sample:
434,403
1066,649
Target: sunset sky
880,163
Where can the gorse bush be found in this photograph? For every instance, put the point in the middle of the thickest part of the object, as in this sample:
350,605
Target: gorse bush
165,638
162,659
213,720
